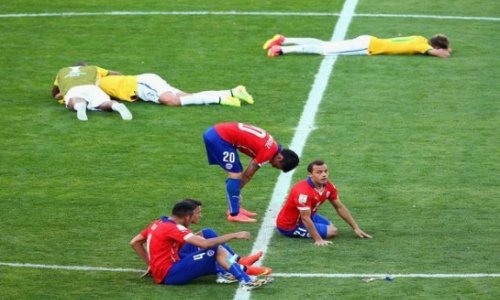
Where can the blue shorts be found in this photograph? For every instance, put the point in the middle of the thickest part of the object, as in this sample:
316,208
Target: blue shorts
321,223
192,266
220,152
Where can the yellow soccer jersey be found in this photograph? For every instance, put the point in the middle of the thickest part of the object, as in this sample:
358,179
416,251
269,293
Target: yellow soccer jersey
401,45
122,87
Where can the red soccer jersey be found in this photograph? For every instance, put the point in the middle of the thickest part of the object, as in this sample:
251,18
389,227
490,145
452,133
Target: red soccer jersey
253,141
164,239
303,196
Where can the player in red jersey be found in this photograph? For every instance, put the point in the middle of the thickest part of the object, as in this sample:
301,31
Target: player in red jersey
165,237
299,215
222,143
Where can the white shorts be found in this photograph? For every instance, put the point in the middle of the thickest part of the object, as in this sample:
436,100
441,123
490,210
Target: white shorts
356,46
151,86
90,93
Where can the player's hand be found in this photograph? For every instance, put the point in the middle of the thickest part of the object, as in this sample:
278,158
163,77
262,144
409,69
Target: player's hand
245,235
362,234
147,273
322,243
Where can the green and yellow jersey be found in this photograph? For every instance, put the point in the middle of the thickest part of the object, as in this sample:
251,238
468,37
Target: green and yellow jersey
401,45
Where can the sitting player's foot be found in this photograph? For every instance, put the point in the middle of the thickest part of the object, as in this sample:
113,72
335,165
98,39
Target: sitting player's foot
250,259
251,285
276,40
258,271
123,111
241,93
274,51
247,212
225,278
240,218
81,111
230,101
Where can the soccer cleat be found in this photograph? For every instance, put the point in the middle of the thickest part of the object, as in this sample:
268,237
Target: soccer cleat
241,93
81,111
240,218
230,101
250,259
225,278
251,285
247,212
258,271
276,40
274,51
123,111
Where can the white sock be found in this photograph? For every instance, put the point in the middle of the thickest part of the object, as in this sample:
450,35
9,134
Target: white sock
81,111
122,110
202,98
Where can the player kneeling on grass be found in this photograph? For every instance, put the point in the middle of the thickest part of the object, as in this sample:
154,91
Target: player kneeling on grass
166,238
299,215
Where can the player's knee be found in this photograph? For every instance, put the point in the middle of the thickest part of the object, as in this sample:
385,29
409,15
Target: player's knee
209,233
170,99
332,232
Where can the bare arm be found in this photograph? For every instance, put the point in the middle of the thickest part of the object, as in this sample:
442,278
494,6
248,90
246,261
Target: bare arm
443,53
305,216
201,242
249,172
137,243
344,213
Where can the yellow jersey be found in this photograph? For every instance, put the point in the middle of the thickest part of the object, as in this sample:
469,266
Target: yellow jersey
414,44
122,87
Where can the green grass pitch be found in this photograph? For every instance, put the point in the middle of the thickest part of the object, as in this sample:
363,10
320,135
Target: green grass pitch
412,144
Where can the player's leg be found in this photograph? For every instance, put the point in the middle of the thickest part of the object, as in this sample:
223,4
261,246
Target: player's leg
228,262
325,228
220,152
80,106
356,46
99,100
192,266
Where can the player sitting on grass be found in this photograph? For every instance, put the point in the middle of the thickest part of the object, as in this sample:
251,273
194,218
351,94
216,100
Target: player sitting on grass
166,236
299,215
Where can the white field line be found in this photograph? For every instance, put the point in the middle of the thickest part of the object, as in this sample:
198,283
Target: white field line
284,275
306,125
237,13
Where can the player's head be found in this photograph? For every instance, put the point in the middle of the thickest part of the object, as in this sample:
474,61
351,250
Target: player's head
439,41
286,160
183,209
318,172
80,64
196,216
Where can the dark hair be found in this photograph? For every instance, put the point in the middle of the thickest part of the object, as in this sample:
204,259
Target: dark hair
80,63
314,163
185,208
290,160
439,41
193,202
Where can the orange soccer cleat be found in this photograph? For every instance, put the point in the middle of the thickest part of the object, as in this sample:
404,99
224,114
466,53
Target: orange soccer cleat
276,40
240,218
250,259
259,271
247,212
274,51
